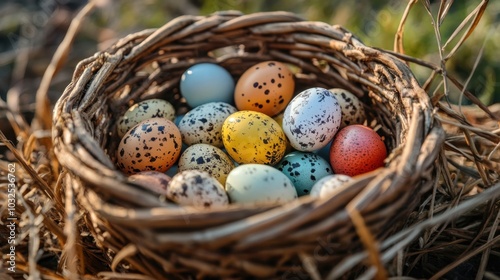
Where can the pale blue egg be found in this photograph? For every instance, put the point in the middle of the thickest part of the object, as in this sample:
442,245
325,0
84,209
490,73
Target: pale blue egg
207,82
304,169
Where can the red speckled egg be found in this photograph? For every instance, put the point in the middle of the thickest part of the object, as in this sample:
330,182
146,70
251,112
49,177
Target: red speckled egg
357,149
266,87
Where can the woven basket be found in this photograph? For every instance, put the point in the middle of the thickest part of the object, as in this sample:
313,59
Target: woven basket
309,237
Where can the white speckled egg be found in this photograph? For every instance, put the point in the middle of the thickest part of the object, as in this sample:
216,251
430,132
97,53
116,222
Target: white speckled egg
207,158
311,119
258,184
198,189
147,109
304,169
203,124
151,180
353,111
153,144
328,184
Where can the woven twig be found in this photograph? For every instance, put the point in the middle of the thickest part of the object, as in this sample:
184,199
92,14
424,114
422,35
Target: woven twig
164,241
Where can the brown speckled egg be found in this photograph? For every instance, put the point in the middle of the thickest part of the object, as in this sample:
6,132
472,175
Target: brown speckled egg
147,109
203,124
151,180
353,111
153,144
207,158
266,87
253,137
198,189
357,149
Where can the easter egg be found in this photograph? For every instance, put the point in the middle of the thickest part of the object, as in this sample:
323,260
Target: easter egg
206,82
253,137
304,169
357,149
327,185
147,109
207,158
311,119
198,189
353,111
266,87
203,124
258,184
153,144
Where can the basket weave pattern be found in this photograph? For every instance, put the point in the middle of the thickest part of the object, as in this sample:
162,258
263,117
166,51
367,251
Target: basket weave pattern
162,240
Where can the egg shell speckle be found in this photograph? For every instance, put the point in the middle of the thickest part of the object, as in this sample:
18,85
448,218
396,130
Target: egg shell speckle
357,149
253,137
266,87
258,184
329,184
207,158
152,180
198,189
153,144
203,124
311,119
146,109
304,169
353,111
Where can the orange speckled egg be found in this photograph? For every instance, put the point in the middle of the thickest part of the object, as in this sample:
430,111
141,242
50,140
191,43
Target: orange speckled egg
153,144
357,149
266,87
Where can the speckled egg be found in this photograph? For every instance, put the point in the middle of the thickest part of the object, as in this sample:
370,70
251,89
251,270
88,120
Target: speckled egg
147,109
153,144
206,82
311,119
198,189
304,169
207,158
151,180
203,124
328,184
357,149
266,87
353,111
258,184
253,137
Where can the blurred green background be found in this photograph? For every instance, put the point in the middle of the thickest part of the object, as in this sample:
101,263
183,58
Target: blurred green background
37,27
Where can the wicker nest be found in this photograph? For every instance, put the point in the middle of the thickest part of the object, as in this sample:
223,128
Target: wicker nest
308,237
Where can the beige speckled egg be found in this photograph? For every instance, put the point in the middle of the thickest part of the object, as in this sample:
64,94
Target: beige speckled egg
328,184
207,158
353,111
258,184
203,124
153,144
151,180
253,137
198,189
147,109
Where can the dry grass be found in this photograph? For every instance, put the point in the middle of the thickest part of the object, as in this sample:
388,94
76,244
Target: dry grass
454,232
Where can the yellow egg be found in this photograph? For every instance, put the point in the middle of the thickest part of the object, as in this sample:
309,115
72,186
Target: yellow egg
253,137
